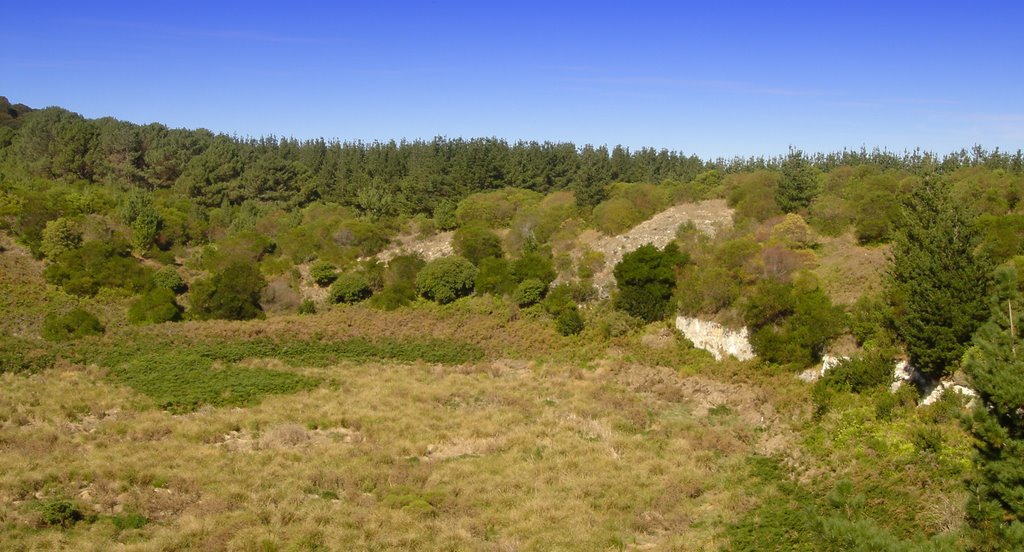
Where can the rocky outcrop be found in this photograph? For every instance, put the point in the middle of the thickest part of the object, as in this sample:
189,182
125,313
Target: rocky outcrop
715,338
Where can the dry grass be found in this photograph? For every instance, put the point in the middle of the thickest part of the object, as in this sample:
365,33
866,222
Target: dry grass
848,270
494,456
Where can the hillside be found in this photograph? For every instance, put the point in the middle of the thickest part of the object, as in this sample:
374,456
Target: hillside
216,343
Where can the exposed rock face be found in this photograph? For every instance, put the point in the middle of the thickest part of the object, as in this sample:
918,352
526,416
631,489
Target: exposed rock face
936,393
828,362
716,339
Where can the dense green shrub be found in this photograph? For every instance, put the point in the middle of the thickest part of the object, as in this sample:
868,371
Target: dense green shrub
529,292
446,279
83,271
494,277
350,287
394,296
233,294
155,307
307,307
569,322
646,279
323,273
59,512
791,324
476,243
168,278
859,374
60,235
494,209
72,325
533,265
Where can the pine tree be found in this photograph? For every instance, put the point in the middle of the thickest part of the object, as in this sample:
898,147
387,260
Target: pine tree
995,366
799,184
936,282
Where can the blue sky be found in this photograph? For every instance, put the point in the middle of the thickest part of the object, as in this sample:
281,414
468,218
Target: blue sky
715,79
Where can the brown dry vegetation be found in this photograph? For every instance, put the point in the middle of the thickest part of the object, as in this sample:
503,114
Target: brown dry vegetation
499,455
848,270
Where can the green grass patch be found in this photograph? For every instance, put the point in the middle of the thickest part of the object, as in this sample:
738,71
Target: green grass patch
183,377
302,353
184,381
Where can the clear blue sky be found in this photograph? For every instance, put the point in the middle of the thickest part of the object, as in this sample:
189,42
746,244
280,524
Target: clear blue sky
711,78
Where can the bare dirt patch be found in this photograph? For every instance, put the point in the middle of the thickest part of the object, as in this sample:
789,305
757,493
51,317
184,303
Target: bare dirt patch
430,248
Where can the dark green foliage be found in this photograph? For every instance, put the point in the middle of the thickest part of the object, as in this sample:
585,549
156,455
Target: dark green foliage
60,513
323,273
476,243
83,271
859,374
995,366
155,307
938,285
791,325
529,292
350,287
21,355
494,277
168,278
646,280
307,307
446,279
533,265
799,183
72,325
233,294
569,322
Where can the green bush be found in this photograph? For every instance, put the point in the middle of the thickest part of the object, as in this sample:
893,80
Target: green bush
395,296
529,292
60,513
350,287
233,294
476,243
446,279
323,273
533,265
72,325
168,278
155,307
96,264
792,325
646,279
569,322
859,374
60,235
307,307
494,277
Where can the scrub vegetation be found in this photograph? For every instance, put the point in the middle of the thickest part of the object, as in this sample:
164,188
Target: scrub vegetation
215,343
